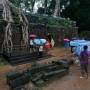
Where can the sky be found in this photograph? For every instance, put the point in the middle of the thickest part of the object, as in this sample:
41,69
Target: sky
37,4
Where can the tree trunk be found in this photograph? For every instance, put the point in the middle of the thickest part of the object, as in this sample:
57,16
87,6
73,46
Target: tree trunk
7,44
7,16
33,3
57,8
24,23
45,3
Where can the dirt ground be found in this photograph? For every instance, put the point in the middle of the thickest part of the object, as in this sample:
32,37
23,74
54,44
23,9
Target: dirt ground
71,81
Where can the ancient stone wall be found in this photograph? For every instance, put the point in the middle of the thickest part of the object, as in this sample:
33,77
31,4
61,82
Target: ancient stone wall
58,34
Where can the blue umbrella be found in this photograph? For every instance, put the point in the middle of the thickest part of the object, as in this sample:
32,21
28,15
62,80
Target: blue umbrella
39,41
76,42
79,48
43,41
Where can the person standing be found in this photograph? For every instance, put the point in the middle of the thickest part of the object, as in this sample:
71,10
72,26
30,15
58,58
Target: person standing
50,39
66,46
32,46
84,62
47,46
40,51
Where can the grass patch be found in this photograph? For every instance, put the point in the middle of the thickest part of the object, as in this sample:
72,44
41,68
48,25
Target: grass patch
3,62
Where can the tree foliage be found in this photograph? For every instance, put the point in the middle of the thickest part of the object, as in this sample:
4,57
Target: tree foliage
25,4
48,8
79,11
49,20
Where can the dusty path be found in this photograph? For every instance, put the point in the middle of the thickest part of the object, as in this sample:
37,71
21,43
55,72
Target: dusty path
68,82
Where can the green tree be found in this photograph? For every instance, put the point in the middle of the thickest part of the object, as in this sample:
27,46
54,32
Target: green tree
79,11
17,3
25,4
84,20
56,6
45,9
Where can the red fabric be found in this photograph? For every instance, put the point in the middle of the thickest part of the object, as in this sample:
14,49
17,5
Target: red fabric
47,45
66,39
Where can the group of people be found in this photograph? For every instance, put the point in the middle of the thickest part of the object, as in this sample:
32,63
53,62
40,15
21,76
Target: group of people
83,58
40,48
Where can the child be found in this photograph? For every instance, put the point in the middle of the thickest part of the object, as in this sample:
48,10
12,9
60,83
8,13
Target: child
84,62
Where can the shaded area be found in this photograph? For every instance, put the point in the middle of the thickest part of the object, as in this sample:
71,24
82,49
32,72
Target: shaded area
24,57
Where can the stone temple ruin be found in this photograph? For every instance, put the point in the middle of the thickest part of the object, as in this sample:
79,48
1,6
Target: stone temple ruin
8,14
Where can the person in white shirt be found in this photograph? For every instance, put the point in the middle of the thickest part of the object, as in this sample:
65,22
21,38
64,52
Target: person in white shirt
40,51
32,47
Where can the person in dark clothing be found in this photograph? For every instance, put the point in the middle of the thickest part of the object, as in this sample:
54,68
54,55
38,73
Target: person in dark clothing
84,61
49,37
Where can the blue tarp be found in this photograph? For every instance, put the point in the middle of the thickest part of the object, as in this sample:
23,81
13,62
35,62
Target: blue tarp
39,41
79,44
76,42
